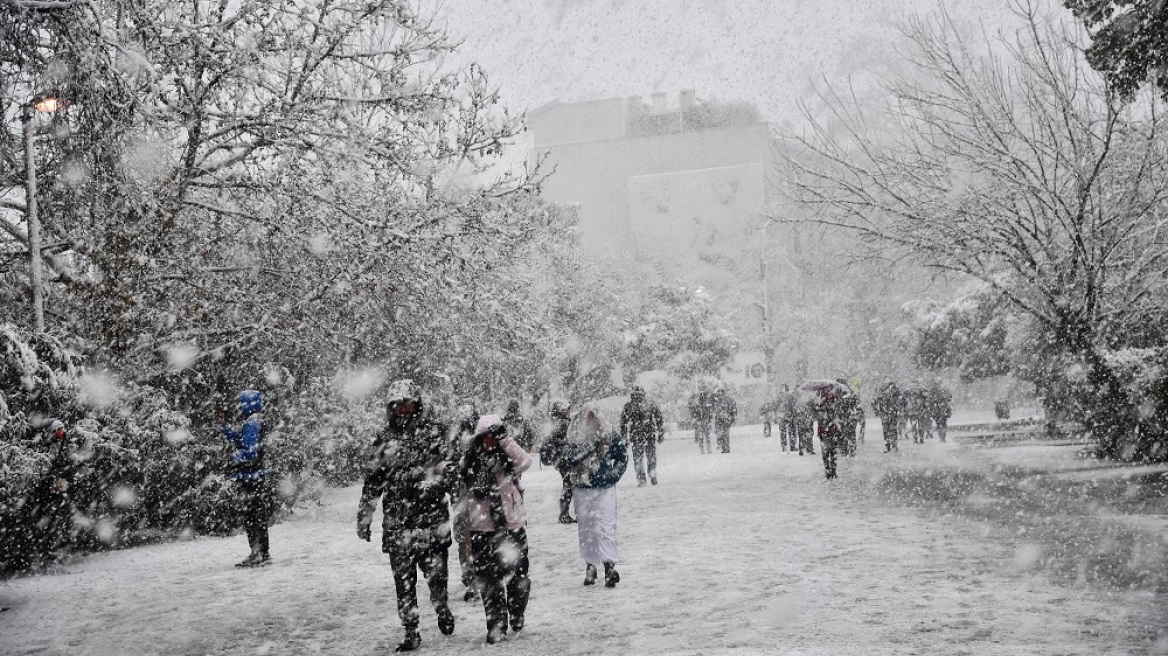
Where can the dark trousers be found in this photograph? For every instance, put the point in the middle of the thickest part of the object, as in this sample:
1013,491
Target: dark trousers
645,452
848,441
54,528
406,563
565,494
702,437
942,426
723,438
805,435
829,446
501,571
255,505
787,435
766,428
462,535
890,433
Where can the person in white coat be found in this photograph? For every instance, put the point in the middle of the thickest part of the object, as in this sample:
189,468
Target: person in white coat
597,458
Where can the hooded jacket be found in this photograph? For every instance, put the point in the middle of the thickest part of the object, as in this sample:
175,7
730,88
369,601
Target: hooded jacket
247,457
493,477
409,470
595,455
641,420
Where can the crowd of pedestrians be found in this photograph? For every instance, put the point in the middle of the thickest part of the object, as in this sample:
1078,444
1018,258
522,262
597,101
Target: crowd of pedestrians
460,481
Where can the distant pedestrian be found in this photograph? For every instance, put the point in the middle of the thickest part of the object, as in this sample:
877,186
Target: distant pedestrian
701,409
52,500
410,471
247,469
769,414
598,459
804,427
940,408
518,426
788,436
916,402
725,412
850,416
827,408
552,452
490,471
888,406
643,428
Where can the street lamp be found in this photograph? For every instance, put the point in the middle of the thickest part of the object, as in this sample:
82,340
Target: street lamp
43,104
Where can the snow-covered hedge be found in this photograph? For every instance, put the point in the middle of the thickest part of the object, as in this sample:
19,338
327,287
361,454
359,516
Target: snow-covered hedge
143,469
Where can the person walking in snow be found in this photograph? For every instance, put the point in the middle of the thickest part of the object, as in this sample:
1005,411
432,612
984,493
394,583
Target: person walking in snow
701,408
850,416
725,411
940,402
768,411
409,470
518,426
788,417
467,418
551,453
246,468
827,408
888,406
490,471
598,459
52,500
642,426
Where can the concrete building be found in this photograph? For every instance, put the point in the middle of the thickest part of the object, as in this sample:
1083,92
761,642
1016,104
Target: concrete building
675,185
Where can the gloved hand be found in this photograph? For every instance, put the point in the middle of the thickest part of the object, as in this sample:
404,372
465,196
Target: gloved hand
364,532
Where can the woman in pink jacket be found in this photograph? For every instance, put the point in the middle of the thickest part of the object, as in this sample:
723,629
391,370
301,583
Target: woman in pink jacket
490,470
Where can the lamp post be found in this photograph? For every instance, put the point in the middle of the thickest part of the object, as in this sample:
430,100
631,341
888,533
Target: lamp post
46,104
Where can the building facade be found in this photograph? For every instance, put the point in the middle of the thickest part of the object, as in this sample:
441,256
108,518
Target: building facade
676,185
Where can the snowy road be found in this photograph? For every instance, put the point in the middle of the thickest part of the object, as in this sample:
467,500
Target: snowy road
750,552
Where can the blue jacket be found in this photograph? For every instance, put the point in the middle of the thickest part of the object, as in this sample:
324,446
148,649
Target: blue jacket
611,468
247,461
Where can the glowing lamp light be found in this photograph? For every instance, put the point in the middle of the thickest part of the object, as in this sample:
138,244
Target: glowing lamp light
48,104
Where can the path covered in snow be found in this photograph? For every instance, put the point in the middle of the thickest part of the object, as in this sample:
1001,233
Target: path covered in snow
747,552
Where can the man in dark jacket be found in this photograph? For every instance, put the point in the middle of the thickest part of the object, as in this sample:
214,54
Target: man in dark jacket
246,468
552,453
411,470
53,499
940,401
788,414
701,408
889,406
518,427
642,426
725,411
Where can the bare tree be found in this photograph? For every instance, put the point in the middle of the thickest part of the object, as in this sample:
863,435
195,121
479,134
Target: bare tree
1010,162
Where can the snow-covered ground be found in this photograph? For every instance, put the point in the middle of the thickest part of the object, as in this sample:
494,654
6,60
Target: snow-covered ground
748,552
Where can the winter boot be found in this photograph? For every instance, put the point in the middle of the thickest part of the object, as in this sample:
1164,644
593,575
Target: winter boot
565,518
611,576
590,574
641,482
496,633
412,641
516,623
653,480
445,620
253,560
